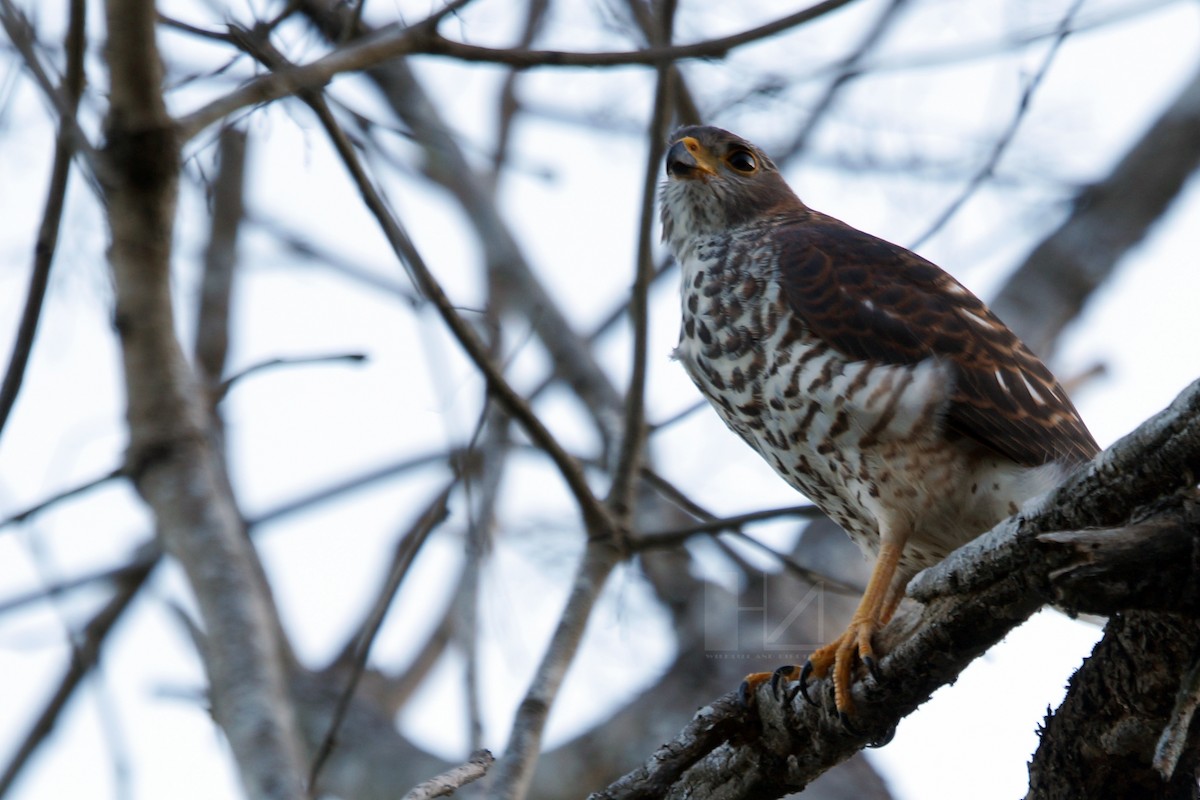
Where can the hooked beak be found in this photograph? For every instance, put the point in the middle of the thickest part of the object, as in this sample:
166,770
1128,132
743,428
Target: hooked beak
688,159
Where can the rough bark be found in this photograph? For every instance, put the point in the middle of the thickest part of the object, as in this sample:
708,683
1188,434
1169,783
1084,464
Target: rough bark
1105,734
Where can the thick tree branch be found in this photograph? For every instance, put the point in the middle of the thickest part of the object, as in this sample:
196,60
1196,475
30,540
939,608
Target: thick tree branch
1102,740
1149,565
171,457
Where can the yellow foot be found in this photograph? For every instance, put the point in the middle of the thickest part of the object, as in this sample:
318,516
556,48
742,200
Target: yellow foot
839,656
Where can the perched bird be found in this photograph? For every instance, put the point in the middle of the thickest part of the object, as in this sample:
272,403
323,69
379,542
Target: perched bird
871,380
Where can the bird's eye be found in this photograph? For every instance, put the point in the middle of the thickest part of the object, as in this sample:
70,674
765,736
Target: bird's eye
743,161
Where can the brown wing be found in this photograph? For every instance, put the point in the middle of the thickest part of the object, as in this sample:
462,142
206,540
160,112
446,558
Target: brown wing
871,299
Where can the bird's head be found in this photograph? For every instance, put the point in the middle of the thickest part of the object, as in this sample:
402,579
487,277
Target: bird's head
717,181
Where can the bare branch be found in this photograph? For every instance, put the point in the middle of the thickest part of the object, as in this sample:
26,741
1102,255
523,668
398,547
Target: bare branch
515,284
515,770
634,430
677,536
289,361
535,18
1174,737
453,779
713,725
1107,220
423,39
712,48
1006,137
63,496
216,289
1148,565
171,456
20,34
594,514
47,239
847,70
84,656
406,551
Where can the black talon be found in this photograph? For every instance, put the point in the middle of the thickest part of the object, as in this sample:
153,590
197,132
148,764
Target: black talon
872,666
778,677
844,718
745,696
805,671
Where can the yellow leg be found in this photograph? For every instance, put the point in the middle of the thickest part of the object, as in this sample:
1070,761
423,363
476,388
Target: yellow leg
870,615
893,602
878,604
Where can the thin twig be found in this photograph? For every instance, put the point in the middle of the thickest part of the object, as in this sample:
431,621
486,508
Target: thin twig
220,258
594,513
47,238
20,33
687,112
677,536
711,524
633,440
401,686
83,657
288,361
147,556
67,494
535,17
453,779
328,257
406,552
194,30
394,42
679,416
847,70
1002,143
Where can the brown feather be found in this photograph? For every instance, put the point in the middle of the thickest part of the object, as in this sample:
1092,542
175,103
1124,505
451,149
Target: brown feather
873,300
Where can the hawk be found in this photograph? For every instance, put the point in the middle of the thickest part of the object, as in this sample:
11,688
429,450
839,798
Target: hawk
871,380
